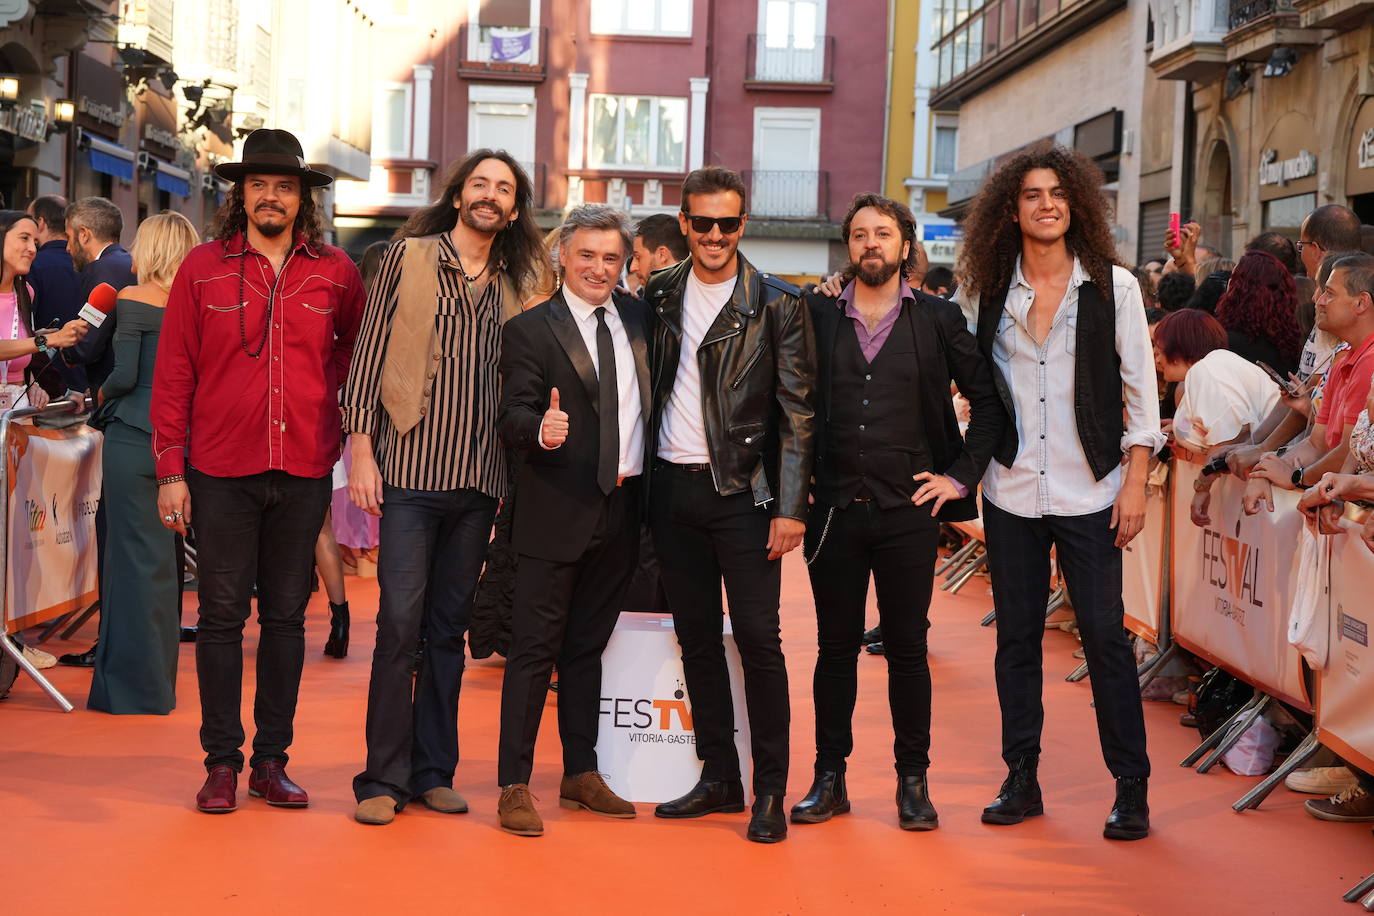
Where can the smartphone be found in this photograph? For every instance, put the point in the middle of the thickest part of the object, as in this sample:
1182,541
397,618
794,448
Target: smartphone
1286,384
1175,228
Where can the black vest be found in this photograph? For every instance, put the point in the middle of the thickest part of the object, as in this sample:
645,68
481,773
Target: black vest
874,437
1098,404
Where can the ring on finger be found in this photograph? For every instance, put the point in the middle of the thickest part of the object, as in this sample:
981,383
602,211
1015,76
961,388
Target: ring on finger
168,519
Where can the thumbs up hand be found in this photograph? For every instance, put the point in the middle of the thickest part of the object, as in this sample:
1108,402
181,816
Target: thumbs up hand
553,430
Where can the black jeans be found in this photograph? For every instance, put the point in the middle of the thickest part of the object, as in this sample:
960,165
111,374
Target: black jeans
565,613
897,546
431,547
1019,559
256,530
703,538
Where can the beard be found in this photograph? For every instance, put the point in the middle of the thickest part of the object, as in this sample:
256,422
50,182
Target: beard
870,274
270,221
484,220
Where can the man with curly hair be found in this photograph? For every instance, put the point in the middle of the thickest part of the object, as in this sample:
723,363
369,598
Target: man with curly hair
1065,328
257,338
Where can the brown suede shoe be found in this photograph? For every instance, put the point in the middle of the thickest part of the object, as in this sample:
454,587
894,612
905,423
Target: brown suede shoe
378,811
444,800
588,790
516,811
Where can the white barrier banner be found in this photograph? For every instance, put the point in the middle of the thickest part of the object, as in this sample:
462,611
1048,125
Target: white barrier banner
1234,584
1143,569
646,744
54,490
1345,688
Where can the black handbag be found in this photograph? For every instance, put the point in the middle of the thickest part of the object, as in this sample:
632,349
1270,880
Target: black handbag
1217,699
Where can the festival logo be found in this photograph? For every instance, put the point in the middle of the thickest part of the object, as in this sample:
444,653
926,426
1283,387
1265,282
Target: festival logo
1232,566
38,516
658,721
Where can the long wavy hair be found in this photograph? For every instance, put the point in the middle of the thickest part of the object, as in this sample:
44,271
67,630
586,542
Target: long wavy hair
233,216
8,219
992,237
519,246
1261,302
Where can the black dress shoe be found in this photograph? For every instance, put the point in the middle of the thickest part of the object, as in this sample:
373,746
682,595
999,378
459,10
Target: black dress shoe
1019,797
706,797
1130,817
188,634
827,798
914,810
336,646
768,824
873,635
78,659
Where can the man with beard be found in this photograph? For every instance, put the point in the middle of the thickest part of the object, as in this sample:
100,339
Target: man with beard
94,226
890,466
733,365
422,407
659,243
257,338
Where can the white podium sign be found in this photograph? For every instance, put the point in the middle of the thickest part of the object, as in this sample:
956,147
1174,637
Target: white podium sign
646,744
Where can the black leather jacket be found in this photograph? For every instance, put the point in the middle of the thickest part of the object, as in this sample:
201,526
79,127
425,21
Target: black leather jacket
758,373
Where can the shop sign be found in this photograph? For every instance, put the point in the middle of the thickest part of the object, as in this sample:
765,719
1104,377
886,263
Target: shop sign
28,123
1276,171
159,135
1367,149
105,114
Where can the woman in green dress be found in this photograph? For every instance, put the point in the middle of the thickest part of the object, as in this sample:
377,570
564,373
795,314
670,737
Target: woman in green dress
136,657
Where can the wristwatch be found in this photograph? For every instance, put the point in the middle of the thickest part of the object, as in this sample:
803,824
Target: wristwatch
41,341
1298,474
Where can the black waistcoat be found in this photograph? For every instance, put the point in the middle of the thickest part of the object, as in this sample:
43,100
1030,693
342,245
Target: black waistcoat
874,437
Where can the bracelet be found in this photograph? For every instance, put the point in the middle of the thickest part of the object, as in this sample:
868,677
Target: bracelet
174,478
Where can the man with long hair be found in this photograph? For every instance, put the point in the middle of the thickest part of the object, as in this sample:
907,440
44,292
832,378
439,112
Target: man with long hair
733,364
256,341
421,405
1064,326
890,466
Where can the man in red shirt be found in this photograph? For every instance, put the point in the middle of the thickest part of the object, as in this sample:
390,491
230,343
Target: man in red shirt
256,341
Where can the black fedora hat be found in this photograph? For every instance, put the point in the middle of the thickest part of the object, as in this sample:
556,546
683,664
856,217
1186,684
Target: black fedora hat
272,152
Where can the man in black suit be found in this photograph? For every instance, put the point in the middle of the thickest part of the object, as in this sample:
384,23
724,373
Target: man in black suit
890,465
575,398
94,226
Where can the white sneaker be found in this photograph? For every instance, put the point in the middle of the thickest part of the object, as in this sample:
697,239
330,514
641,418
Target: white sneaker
1326,781
38,658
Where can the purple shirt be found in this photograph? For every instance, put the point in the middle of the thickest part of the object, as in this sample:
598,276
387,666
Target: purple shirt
871,342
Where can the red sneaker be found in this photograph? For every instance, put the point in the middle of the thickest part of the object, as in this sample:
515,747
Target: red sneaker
219,795
269,781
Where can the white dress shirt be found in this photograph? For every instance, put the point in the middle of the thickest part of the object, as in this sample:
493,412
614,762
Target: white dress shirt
682,437
631,418
1050,475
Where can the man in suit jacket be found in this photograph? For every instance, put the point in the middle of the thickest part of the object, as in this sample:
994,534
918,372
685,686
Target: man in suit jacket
94,226
575,398
890,465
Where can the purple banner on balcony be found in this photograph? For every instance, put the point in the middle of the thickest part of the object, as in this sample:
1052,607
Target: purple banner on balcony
511,47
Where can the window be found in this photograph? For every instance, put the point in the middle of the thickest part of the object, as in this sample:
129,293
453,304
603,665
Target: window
637,132
642,17
946,149
391,121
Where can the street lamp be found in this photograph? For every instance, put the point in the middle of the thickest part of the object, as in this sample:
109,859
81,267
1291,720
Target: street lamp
63,114
9,90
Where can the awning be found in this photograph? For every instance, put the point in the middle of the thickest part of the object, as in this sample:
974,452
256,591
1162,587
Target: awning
111,158
173,180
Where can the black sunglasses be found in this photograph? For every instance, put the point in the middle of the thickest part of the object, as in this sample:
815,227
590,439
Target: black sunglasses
701,225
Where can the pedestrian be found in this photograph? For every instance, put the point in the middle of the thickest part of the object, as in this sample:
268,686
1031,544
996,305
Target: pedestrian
26,353
256,340
56,284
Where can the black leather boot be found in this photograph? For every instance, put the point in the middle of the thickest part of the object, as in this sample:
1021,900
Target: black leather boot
827,798
768,825
914,810
337,644
706,797
1019,797
1130,817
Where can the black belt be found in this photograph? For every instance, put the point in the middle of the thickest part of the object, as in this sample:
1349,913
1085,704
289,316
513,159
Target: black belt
688,468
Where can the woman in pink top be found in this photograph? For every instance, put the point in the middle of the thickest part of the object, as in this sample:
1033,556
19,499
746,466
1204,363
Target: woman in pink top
18,343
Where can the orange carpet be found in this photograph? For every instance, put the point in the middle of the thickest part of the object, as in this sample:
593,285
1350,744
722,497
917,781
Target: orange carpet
99,815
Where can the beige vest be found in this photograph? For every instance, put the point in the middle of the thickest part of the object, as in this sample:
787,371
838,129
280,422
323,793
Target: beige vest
412,354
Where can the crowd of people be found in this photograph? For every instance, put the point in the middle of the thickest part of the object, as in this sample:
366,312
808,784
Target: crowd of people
629,379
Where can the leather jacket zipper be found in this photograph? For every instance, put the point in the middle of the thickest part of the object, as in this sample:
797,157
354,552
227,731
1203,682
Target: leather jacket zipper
753,358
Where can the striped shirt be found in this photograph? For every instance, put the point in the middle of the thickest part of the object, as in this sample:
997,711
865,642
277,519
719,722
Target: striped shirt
455,445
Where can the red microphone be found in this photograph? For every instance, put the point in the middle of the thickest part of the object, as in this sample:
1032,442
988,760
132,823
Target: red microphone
98,305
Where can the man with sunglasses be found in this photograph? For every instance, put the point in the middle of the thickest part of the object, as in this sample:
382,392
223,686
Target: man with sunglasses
732,366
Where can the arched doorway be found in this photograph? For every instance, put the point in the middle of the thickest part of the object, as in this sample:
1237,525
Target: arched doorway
1217,206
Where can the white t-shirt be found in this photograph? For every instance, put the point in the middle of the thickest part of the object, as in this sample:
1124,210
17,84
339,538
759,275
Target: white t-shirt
1223,392
682,437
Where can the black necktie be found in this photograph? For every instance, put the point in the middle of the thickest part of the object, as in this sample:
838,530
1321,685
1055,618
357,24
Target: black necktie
608,405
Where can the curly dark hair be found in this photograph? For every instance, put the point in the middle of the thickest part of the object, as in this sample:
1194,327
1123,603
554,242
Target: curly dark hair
992,237
233,216
1261,302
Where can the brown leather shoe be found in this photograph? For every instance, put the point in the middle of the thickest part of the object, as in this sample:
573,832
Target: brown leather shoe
444,800
589,790
270,782
219,795
516,811
378,811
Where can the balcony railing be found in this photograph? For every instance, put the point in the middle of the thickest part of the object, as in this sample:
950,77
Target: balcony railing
788,194
1244,12
503,52
796,61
